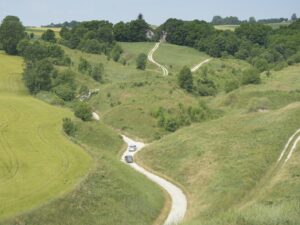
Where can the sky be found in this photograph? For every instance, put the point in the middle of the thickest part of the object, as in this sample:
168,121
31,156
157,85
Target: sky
43,12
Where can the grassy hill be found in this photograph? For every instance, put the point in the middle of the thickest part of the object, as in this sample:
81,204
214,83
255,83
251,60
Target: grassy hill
37,162
124,101
224,164
41,161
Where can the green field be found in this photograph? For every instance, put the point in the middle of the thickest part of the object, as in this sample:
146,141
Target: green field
222,164
38,31
226,27
37,162
175,57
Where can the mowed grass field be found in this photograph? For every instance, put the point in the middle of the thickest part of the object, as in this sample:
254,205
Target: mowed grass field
112,193
38,31
175,57
37,162
222,164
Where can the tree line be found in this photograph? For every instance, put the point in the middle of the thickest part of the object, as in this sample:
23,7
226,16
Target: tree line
256,43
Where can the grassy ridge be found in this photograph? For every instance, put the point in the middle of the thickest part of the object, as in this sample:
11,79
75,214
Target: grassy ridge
30,138
219,162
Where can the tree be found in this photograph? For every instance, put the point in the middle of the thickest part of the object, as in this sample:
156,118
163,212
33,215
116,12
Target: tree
252,19
65,33
83,111
121,31
140,17
185,79
294,17
141,61
69,126
49,36
37,76
98,72
11,33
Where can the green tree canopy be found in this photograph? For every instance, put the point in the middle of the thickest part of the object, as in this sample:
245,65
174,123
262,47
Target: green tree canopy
11,33
49,36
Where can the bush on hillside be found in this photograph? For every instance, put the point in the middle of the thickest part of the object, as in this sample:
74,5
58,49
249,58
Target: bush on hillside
185,79
69,126
204,86
116,52
251,76
83,111
141,61
64,85
84,66
98,72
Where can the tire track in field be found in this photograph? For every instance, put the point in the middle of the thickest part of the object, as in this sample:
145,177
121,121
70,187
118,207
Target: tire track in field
265,182
151,59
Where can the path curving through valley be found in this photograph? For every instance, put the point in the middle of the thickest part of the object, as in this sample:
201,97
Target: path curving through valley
179,200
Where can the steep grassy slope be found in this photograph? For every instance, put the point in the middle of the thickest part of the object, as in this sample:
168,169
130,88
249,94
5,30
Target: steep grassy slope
223,163
37,162
111,194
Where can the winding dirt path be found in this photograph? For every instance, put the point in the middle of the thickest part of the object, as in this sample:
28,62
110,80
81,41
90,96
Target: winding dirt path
151,59
195,68
179,200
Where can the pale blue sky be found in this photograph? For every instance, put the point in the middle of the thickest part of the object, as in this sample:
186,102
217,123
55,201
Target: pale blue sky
41,12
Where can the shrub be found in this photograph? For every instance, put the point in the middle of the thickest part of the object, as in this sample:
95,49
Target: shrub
170,124
65,92
68,126
116,52
83,111
251,76
185,79
141,61
97,72
84,66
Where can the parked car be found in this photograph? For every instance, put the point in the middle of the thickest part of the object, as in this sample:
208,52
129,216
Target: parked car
129,159
132,148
